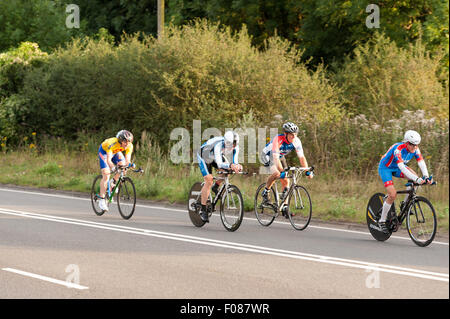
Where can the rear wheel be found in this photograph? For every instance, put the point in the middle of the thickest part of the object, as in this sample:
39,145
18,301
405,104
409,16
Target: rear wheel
421,222
373,213
95,195
265,212
300,208
194,204
126,198
231,208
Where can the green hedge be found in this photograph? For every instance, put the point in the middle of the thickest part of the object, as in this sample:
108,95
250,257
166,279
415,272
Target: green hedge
348,119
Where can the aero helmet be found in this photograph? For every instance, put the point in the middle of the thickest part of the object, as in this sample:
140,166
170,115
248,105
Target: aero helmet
231,137
412,137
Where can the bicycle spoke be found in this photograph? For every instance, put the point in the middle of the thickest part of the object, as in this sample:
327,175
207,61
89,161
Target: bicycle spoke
299,208
265,212
126,198
232,208
421,222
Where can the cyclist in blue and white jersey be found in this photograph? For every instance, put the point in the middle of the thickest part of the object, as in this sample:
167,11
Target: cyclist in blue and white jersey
212,154
393,163
273,156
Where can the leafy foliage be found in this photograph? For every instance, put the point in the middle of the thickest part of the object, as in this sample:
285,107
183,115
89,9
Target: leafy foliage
39,21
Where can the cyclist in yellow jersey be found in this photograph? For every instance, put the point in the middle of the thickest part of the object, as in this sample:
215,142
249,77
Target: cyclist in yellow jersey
110,153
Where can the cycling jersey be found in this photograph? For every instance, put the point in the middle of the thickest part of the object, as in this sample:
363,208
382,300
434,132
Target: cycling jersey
112,145
280,145
393,163
398,153
212,154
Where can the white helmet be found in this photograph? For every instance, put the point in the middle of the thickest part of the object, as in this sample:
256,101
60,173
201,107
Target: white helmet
231,137
412,137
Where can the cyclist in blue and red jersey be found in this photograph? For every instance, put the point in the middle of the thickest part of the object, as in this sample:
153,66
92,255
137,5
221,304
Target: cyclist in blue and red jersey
273,156
393,163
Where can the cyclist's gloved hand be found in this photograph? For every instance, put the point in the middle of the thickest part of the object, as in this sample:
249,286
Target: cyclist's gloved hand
132,165
419,180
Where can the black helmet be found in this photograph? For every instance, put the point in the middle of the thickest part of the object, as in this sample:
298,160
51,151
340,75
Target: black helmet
290,127
124,135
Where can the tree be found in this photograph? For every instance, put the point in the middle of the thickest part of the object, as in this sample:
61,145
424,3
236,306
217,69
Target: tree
39,21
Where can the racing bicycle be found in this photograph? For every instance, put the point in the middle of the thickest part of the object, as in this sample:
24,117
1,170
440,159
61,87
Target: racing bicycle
125,189
296,205
417,210
231,205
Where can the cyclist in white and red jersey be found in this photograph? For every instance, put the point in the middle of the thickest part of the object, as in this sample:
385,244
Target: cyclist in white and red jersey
393,163
273,154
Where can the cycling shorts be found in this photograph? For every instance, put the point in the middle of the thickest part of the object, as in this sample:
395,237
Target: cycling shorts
267,161
206,168
102,155
387,173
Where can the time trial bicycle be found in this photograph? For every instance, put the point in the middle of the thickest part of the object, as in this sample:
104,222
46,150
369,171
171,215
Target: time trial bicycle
418,211
231,206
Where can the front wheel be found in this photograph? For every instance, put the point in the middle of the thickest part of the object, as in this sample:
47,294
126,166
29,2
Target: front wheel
126,198
232,208
421,222
95,195
300,208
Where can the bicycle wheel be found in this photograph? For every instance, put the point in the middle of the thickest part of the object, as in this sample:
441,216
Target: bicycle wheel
421,222
126,198
374,208
299,208
265,213
95,195
232,208
194,206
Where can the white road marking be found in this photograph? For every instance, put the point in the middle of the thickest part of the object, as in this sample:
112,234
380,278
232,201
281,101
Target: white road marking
184,211
238,246
45,278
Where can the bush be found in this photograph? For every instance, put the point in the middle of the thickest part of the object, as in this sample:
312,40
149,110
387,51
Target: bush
198,71
382,80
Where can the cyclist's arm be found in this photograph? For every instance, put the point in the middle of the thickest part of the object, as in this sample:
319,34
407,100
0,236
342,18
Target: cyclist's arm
303,161
109,156
218,157
421,163
276,144
235,155
128,153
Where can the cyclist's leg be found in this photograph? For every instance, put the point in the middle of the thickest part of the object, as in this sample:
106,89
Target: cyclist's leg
399,174
118,159
205,169
104,168
386,175
283,179
276,173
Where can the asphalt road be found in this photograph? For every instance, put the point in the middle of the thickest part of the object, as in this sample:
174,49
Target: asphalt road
52,245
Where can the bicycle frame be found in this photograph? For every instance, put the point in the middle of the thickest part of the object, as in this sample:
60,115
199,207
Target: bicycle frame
296,173
411,198
223,188
122,171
